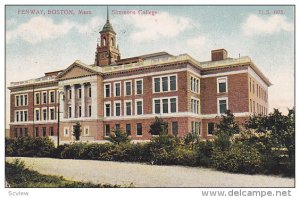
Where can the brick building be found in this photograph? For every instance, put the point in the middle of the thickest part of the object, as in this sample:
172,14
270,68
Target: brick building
128,93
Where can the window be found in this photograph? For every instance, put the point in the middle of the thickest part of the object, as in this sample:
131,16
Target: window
195,105
90,91
52,97
257,90
107,90
195,82
222,85
90,110
165,105
127,108
17,101
51,131
250,84
156,84
79,93
127,88
210,128
17,116
37,132
195,127
107,129
139,129
70,112
21,132
44,131
107,109
173,105
66,131
138,107
175,128
52,114
79,111
21,116
128,129
117,109
21,100
37,114
117,89
44,97
25,100
86,131
138,87
25,116
253,86
250,105
37,98
44,114
173,83
222,105
157,106
164,83
117,127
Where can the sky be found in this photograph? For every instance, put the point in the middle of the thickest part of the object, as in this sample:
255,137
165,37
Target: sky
48,40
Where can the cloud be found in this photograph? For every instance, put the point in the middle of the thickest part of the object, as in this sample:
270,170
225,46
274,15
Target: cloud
255,25
40,28
153,27
197,42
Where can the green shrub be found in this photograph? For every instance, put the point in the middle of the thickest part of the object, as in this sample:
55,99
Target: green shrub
97,151
73,151
204,151
239,158
118,136
29,147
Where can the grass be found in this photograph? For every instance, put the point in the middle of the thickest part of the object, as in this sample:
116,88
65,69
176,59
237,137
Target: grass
18,176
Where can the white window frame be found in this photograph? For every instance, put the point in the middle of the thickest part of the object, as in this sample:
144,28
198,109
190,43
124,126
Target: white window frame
135,107
115,102
218,104
192,88
161,83
50,97
161,105
105,103
125,94
79,90
43,97
135,86
198,108
38,93
125,108
16,116
50,113
43,113
39,114
105,135
17,103
109,84
84,129
68,131
226,83
118,82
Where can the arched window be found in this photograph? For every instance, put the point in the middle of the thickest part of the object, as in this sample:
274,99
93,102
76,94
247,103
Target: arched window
104,41
112,41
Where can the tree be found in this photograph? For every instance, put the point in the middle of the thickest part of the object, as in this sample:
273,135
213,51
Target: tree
225,130
77,131
118,136
280,127
158,127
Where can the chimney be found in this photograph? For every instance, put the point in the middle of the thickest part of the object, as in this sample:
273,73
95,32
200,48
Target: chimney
218,54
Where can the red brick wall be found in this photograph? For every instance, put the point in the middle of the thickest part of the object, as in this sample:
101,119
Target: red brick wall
237,93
